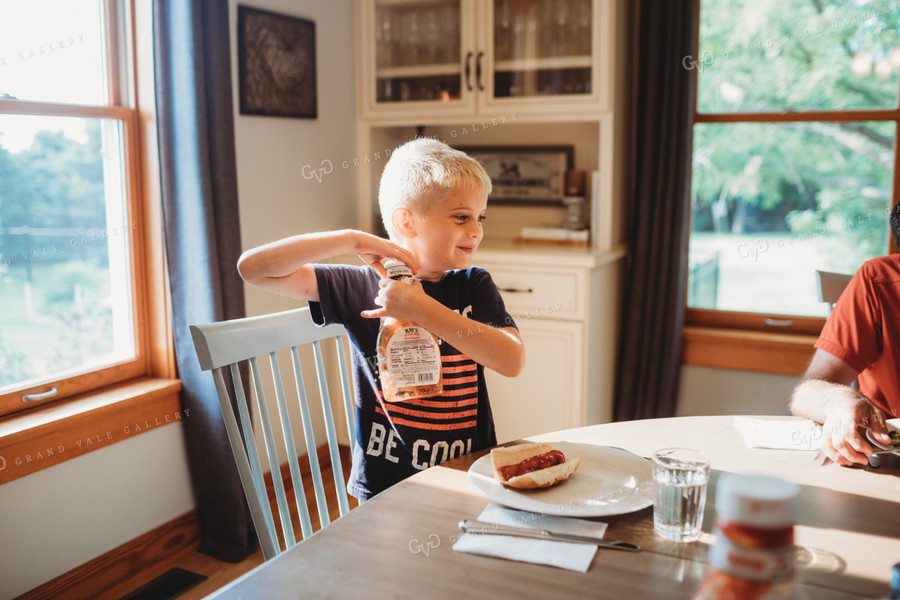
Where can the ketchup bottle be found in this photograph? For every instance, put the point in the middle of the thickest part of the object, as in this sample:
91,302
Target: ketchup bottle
409,359
753,557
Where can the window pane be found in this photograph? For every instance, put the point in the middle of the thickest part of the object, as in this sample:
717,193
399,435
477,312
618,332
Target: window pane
777,55
772,203
65,286
52,51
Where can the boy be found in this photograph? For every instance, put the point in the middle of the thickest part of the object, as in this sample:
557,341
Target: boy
432,200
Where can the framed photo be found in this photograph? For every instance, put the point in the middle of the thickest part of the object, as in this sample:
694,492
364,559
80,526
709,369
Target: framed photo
277,64
532,175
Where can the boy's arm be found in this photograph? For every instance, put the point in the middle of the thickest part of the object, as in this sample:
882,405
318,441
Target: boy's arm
500,349
285,266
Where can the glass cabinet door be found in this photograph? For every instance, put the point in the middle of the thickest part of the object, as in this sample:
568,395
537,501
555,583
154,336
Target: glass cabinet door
418,51
542,48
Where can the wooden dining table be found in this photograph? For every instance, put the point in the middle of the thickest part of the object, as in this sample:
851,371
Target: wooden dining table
399,544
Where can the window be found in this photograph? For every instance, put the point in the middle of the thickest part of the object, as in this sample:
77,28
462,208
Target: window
794,159
72,310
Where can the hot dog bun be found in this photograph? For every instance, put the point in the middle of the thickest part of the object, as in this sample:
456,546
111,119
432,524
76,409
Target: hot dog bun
541,478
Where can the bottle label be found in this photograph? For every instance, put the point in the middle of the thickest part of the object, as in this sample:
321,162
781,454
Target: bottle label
757,564
413,358
399,272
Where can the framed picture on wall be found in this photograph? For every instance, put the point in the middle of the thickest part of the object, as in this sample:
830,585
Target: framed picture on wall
276,64
532,175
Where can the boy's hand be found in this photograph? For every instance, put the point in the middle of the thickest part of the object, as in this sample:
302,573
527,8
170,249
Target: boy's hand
373,249
399,300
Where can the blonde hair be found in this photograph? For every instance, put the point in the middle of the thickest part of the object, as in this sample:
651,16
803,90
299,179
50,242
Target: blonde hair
424,171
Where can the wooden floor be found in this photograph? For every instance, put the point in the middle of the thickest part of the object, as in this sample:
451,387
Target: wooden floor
220,573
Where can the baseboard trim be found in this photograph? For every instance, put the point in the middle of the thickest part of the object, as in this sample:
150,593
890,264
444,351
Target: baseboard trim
128,561
122,563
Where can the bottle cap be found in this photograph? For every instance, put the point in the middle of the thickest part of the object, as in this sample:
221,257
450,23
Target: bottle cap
756,500
397,269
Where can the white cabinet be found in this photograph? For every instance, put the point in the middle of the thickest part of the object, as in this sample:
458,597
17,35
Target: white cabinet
545,397
421,58
565,304
561,96
508,74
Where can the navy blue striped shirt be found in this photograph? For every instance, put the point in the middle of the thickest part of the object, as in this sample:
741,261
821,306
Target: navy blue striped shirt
395,440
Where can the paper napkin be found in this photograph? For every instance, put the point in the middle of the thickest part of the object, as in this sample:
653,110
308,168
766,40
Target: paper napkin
565,555
780,433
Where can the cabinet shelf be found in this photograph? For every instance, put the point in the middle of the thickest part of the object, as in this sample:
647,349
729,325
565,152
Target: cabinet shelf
412,71
544,63
409,3
519,64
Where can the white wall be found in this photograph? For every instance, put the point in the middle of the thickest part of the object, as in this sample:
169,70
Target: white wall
62,517
56,519
712,391
276,200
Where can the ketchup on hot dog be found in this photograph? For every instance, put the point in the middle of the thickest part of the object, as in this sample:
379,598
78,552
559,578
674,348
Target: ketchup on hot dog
535,463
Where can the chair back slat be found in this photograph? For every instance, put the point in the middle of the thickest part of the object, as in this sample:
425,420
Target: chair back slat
287,433
269,441
329,425
830,286
231,343
311,450
349,405
252,453
265,532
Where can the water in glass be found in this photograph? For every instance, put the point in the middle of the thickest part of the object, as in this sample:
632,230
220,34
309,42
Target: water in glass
680,478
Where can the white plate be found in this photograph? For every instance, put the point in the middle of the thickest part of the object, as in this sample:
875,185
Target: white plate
609,481
879,445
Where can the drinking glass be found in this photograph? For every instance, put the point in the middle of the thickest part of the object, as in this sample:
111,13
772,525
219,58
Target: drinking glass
503,30
679,481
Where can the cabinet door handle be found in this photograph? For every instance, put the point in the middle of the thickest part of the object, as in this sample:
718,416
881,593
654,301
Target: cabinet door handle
515,290
478,71
469,71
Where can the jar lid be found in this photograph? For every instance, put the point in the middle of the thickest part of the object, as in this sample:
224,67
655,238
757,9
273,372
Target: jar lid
756,500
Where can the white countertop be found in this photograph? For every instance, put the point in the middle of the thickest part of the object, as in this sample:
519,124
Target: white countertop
560,255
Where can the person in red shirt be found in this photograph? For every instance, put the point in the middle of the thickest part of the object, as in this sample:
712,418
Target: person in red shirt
859,342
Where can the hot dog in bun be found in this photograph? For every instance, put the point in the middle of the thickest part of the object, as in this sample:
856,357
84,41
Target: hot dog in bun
531,466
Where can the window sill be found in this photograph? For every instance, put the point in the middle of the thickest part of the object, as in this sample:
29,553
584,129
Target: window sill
783,353
36,440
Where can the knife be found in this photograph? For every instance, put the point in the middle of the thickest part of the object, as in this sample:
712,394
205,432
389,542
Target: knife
480,527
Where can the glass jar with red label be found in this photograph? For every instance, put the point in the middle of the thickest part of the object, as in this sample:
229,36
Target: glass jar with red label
753,556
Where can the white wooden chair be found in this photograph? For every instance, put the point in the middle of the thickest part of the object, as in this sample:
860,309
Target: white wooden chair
223,346
830,285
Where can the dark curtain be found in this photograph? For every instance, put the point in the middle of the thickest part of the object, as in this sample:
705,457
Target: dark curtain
202,238
653,301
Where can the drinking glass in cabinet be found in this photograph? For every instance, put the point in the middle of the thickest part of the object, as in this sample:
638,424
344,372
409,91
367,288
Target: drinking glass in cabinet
541,28
417,50
384,38
542,47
